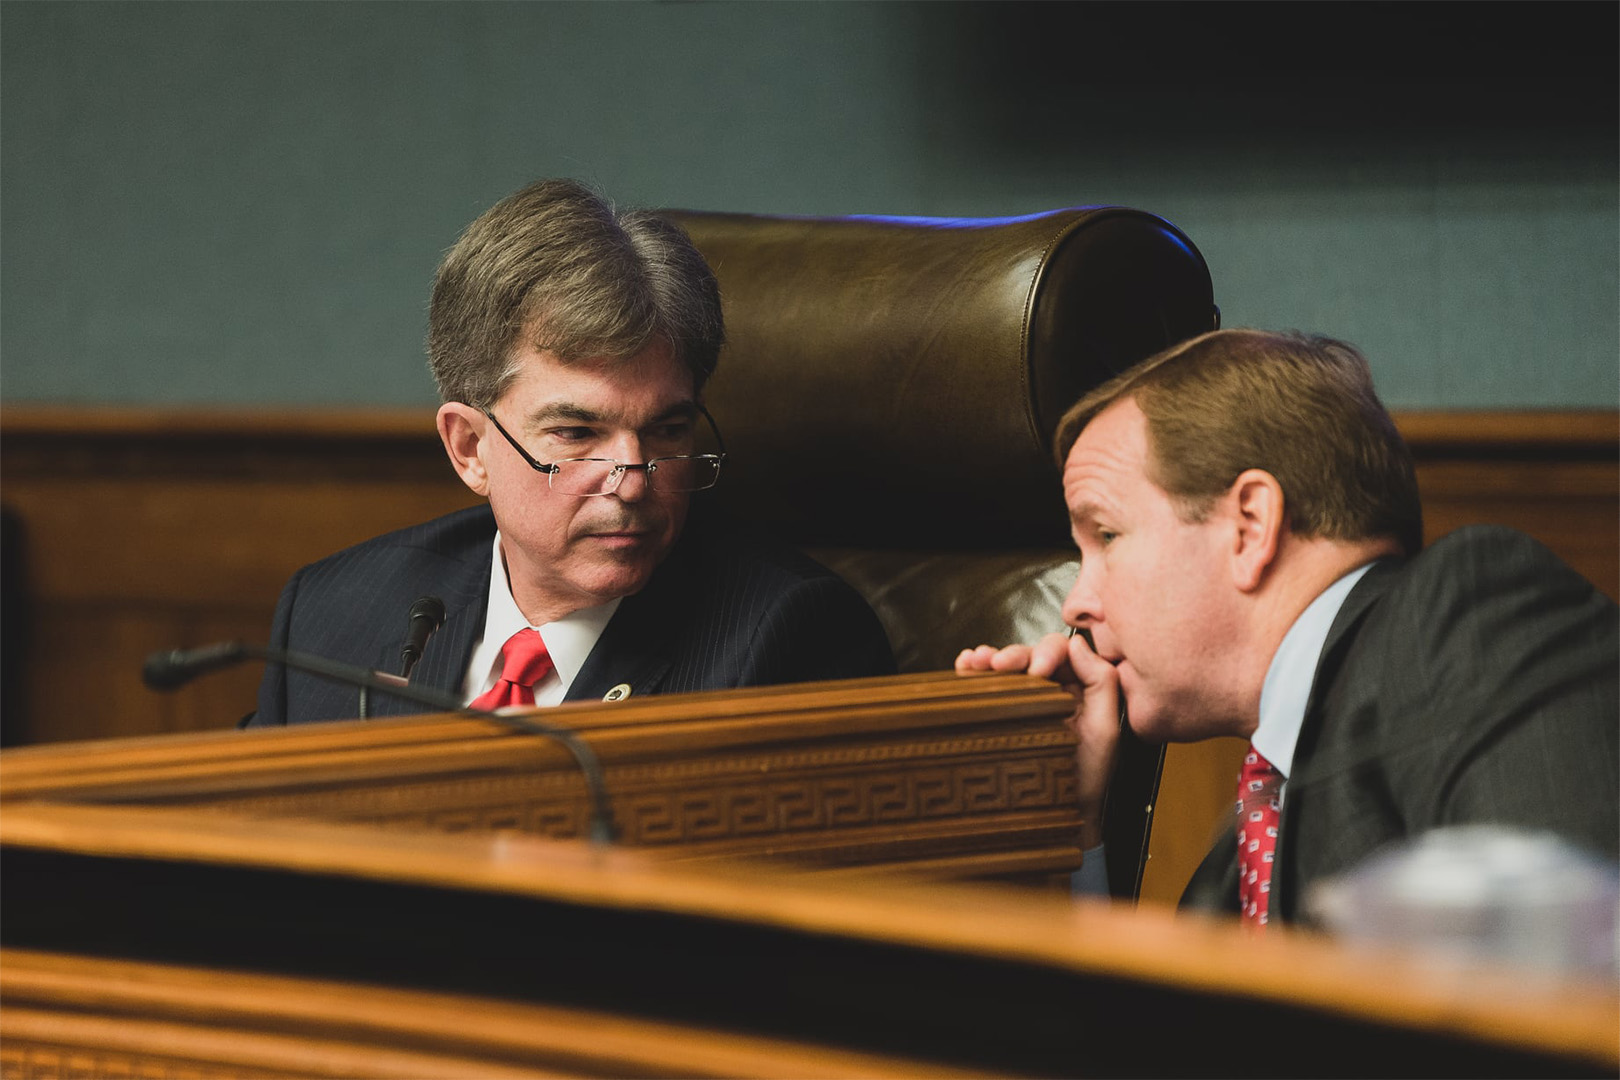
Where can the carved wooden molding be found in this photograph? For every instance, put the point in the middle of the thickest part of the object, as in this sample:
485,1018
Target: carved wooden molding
931,769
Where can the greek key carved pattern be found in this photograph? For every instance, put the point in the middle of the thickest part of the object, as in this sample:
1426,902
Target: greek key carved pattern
788,805
663,772
479,800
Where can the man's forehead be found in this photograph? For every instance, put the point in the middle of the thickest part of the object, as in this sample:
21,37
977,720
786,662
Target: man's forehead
535,344
648,386
1088,497
1108,458
1115,438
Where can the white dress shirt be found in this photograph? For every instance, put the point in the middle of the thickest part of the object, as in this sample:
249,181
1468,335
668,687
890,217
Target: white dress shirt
1293,671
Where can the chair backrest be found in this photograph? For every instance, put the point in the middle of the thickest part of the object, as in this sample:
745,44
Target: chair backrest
890,387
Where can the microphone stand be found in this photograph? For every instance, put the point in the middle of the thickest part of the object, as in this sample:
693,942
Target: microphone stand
168,670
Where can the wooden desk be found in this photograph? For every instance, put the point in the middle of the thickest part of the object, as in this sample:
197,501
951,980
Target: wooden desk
229,946
403,898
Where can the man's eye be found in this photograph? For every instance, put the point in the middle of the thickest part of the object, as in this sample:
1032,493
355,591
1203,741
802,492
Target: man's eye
1106,536
571,434
671,432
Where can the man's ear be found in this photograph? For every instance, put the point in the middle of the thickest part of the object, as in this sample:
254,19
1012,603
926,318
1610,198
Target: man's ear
462,429
1255,500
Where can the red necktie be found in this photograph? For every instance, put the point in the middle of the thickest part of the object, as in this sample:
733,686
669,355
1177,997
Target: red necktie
1258,811
524,663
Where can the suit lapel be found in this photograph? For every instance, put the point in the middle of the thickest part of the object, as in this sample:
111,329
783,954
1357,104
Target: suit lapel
1361,599
1286,873
1214,885
631,652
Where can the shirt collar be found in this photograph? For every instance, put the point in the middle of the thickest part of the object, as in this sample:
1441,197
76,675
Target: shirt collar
569,639
1293,669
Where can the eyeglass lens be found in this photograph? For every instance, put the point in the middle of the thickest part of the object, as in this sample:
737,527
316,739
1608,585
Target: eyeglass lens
598,476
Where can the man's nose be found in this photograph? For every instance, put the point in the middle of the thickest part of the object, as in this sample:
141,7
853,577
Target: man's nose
1081,608
633,484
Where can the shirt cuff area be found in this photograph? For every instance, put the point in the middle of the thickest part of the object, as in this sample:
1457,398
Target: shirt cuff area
1092,877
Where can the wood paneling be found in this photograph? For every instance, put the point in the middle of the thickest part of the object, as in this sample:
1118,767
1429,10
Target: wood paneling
154,529
1554,475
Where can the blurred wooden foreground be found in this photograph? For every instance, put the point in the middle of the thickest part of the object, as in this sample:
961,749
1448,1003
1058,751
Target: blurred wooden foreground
400,898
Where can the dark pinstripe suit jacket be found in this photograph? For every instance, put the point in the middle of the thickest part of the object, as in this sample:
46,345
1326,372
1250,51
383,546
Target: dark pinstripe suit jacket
1479,682
720,611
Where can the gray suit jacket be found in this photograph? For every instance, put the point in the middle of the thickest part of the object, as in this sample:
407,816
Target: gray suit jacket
722,610
1476,683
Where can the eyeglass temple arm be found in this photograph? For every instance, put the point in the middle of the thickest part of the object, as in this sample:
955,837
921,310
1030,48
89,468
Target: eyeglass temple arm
524,454
714,427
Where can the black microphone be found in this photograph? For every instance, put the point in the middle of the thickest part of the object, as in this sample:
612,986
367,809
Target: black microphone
175,667
426,615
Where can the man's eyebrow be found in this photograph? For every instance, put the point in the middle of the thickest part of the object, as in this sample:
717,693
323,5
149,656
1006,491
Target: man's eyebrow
681,410
1084,513
570,412
564,410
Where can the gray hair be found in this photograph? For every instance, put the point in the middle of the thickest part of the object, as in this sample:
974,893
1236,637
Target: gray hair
559,263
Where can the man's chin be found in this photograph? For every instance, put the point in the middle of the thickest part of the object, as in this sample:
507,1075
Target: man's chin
1155,723
1151,723
611,578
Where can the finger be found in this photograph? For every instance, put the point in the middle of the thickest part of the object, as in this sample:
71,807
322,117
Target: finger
1095,724
1012,658
1089,668
1050,659
1097,720
978,659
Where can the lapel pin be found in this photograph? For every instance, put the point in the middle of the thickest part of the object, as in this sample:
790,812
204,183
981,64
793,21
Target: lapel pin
618,693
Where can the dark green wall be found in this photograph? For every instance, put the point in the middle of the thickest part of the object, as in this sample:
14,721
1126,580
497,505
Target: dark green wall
244,202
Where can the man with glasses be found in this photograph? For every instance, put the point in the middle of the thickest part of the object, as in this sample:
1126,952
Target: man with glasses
571,343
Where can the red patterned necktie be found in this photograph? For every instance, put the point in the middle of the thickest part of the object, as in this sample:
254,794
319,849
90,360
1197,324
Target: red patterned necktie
1258,811
525,662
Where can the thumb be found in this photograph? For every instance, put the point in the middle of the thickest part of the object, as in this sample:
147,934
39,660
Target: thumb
1096,727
